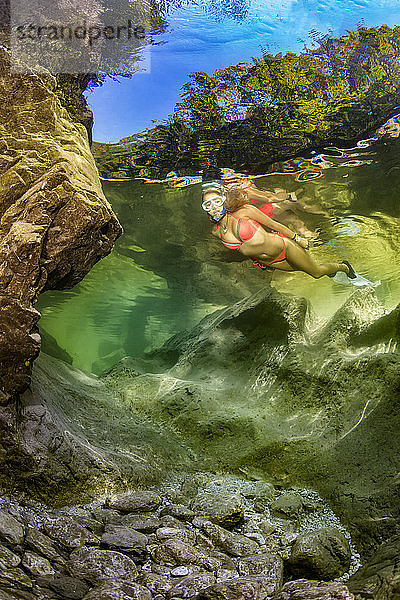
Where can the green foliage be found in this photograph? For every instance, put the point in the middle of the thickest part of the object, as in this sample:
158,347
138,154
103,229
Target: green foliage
303,91
275,106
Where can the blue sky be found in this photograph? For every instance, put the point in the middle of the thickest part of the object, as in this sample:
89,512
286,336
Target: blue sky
197,40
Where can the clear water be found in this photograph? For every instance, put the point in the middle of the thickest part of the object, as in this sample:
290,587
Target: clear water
167,271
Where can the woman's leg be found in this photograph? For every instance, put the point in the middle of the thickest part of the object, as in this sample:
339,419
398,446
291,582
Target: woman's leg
300,260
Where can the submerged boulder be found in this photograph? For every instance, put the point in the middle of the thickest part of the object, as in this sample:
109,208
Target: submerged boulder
303,589
260,387
323,554
138,501
241,588
379,577
225,510
94,565
66,452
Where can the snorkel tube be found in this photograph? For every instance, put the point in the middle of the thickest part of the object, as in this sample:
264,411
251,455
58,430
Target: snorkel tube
223,212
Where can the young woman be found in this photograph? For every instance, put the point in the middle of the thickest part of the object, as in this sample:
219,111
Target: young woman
238,225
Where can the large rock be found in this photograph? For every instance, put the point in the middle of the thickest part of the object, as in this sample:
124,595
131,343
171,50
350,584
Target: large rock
69,533
124,538
135,501
261,386
11,530
36,565
94,565
144,523
232,589
379,577
190,586
40,542
64,586
118,590
65,451
8,558
231,543
177,533
302,589
14,579
223,509
265,567
322,554
156,583
55,222
287,506
178,511
176,552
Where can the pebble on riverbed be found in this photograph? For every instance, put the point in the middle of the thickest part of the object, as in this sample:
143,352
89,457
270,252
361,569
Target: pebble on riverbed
226,539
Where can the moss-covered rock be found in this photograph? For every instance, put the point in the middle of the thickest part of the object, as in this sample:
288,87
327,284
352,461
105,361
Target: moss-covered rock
55,222
58,448
258,387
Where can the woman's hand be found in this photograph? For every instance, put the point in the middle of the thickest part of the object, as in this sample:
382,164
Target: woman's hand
303,242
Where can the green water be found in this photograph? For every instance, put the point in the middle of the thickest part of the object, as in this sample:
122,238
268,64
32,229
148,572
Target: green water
166,272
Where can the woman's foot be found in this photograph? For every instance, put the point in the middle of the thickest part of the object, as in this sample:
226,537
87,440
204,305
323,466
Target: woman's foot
351,274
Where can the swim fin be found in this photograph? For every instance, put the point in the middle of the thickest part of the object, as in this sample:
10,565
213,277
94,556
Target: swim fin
357,280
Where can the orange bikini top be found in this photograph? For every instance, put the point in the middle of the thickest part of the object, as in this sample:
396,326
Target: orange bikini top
246,228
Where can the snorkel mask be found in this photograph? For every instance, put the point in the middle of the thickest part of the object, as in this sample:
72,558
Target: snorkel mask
216,201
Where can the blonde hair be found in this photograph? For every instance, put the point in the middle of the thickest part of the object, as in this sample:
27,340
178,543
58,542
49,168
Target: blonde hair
236,197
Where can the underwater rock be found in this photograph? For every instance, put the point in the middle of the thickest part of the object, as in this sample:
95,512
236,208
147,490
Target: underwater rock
64,451
140,501
323,554
144,523
8,558
231,543
66,587
168,521
118,537
95,565
119,590
14,579
166,533
11,530
303,403
183,513
288,506
69,533
176,552
156,583
38,541
240,588
36,565
55,220
190,586
302,589
379,577
265,568
222,509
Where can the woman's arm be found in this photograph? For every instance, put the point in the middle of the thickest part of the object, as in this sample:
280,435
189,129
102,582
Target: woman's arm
253,193
251,212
